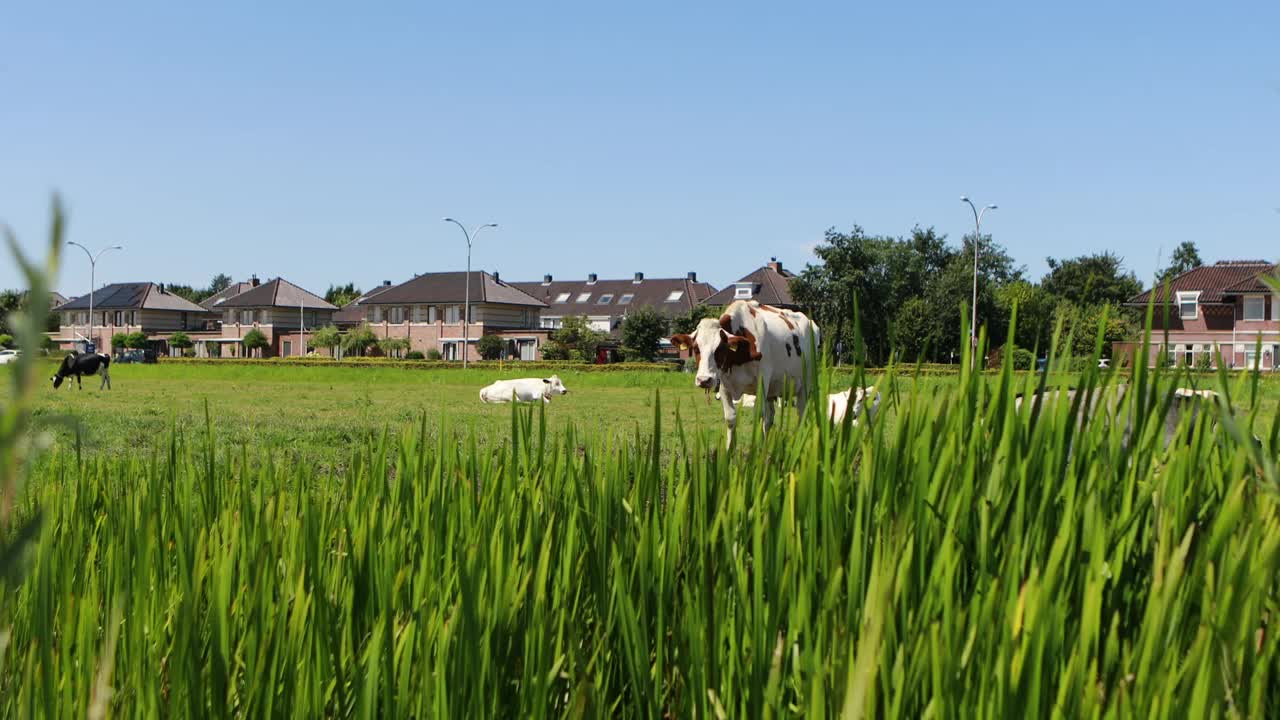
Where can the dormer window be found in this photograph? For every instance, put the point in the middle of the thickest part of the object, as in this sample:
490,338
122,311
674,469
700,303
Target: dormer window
742,292
583,297
675,296
562,298
1189,305
605,299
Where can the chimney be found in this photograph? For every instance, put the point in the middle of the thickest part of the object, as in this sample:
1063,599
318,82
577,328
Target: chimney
774,265
161,288
693,276
495,276
639,278
386,283
253,280
591,279
546,279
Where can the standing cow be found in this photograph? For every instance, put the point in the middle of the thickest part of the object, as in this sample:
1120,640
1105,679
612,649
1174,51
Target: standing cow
79,364
750,346
523,390
838,404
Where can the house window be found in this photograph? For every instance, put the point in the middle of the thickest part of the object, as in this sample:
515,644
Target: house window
625,299
600,323
675,296
1189,356
562,298
433,314
246,317
1188,305
742,292
583,297
453,314
605,299
1255,307
552,323
397,314
1251,357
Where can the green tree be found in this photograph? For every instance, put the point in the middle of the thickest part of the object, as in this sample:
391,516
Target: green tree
641,331
574,340
686,322
490,347
1091,280
393,347
119,341
6,340
915,330
180,340
1185,257
1080,327
136,340
359,340
340,295
326,337
255,341
186,292
1035,313
10,302
217,284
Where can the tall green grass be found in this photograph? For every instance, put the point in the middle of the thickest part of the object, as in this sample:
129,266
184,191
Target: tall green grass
955,558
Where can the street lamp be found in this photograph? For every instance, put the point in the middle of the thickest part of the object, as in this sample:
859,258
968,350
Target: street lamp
977,238
466,302
93,266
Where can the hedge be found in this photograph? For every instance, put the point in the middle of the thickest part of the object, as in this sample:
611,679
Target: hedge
428,364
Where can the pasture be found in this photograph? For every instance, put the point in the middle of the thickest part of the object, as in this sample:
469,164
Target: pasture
356,543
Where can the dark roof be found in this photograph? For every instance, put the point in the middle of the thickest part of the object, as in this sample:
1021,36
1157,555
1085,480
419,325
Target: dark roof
450,287
770,285
649,291
55,299
353,312
1254,284
133,296
213,301
1214,282
277,293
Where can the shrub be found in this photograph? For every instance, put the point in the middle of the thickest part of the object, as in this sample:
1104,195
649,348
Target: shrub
326,337
136,341
359,340
188,353
180,340
119,341
6,340
255,340
490,347
393,347
1023,359
434,355
641,331
414,355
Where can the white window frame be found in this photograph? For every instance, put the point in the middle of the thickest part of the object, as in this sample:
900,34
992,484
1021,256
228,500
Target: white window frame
626,298
1260,302
583,297
1252,350
1192,297
563,298
604,299
742,292
675,296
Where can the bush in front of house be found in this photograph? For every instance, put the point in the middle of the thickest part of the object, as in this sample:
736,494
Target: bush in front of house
414,355
434,354
255,339
490,347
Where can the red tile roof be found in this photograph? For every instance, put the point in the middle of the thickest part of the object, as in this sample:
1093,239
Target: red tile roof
770,285
1214,282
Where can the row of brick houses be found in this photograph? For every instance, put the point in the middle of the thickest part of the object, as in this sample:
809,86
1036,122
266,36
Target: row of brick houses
1220,314
426,310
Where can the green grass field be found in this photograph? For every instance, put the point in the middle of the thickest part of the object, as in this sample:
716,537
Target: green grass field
342,542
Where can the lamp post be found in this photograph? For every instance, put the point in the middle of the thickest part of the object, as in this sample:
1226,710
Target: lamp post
466,302
977,238
93,266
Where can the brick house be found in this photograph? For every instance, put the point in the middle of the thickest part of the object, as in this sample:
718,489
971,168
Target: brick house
278,309
606,303
427,310
125,308
770,285
1220,311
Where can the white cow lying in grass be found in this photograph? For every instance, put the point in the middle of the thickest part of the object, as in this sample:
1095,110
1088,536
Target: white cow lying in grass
523,390
838,404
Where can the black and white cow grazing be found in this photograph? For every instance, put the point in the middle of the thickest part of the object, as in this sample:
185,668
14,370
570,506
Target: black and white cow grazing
79,364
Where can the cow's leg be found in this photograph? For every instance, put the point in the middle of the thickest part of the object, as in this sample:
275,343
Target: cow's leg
730,417
802,396
106,379
79,385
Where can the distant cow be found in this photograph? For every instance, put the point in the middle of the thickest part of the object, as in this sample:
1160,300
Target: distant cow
523,390
752,345
838,404
79,364
1186,401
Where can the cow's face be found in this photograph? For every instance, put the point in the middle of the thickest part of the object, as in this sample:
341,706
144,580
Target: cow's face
716,350
57,381
553,386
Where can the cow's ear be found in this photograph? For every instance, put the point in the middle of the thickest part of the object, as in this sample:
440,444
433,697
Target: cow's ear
547,381
732,340
682,341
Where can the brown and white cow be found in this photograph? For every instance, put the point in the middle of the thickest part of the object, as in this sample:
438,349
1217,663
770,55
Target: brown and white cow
752,345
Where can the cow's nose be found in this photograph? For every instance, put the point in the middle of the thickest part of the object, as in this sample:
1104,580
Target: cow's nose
705,382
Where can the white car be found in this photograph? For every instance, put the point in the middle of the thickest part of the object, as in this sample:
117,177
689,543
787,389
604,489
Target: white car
8,356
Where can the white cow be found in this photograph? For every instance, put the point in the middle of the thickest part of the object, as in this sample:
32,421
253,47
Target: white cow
838,404
750,346
523,390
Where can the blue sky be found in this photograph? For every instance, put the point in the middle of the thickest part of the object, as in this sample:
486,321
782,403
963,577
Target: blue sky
324,141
